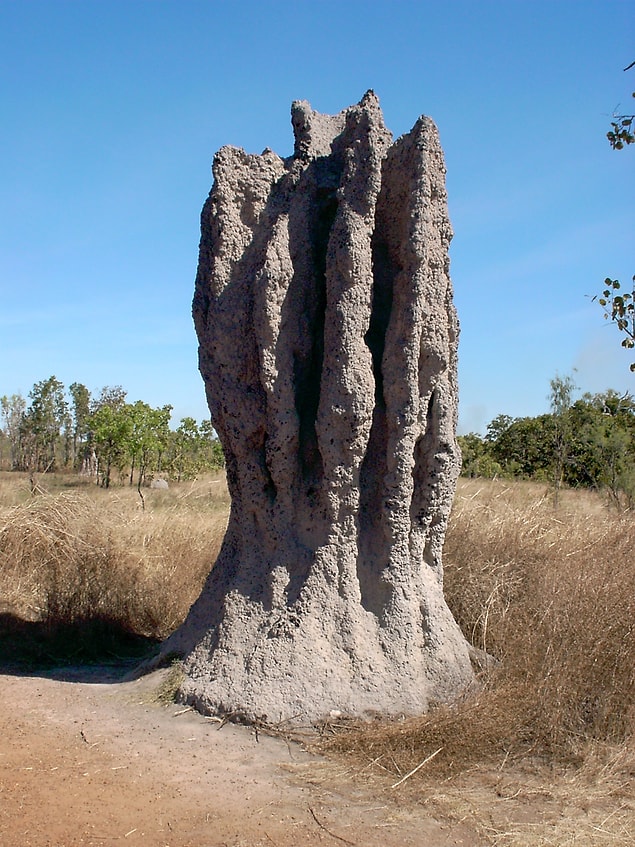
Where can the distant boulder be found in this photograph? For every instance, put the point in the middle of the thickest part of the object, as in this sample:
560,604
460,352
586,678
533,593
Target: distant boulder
161,484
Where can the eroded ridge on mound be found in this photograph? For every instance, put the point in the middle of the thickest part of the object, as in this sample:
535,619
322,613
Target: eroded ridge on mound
328,344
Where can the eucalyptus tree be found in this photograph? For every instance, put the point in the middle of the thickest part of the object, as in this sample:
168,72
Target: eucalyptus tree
13,409
108,428
43,422
80,397
603,448
185,457
147,438
561,400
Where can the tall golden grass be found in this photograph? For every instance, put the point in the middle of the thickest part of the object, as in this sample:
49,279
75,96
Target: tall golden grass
550,596
83,561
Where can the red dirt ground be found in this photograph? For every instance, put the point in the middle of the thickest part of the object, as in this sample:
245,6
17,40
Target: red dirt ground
102,763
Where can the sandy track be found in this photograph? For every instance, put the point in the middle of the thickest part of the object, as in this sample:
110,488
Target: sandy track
101,763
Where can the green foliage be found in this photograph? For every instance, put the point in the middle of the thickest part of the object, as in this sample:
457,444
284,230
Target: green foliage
147,436
621,131
42,424
604,446
497,427
561,398
193,449
13,409
620,308
587,443
184,452
477,459
102,435
110,429
524,449
80,396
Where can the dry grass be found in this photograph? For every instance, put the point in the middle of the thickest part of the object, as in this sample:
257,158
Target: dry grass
86,562
544,751
550,594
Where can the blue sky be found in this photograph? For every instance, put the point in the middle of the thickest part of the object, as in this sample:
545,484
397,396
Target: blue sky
111,112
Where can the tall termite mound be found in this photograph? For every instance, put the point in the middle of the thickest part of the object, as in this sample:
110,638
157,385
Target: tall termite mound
328,343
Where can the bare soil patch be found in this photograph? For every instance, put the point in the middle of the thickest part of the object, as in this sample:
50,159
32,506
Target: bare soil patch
95,762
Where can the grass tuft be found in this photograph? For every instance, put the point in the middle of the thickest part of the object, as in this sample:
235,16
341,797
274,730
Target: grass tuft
168,688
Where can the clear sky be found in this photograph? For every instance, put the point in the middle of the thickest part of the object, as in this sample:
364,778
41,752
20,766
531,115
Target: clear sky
111,112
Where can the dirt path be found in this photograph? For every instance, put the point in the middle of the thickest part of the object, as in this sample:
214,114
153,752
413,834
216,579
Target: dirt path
102,763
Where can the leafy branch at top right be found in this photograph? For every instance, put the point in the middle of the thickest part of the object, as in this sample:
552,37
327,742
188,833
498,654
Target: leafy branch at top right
621,131
620,308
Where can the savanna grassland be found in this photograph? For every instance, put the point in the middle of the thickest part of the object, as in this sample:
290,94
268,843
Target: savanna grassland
542,751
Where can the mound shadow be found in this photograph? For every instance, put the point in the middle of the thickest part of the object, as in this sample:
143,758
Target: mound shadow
95,649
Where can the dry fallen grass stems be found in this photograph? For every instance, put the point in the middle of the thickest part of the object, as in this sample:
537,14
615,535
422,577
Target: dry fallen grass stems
551,595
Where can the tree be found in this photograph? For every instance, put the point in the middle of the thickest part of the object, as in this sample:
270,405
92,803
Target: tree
477,459
110,395
620,308
561,398
110,428
148,436
193,448
101,433
621,131
185,460
81,411
524,448
603,447
589,443
211,447
13,409
42,423
497,427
